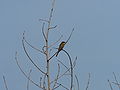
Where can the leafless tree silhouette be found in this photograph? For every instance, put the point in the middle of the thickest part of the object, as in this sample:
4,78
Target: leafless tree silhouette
46,83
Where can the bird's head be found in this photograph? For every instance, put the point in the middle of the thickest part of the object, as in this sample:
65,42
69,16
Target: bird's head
63,42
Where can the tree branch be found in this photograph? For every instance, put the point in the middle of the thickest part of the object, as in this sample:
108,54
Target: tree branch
70,36
5,83
116,80
28,79
30,57
56,41
59,84
71,86
25,73
77,82
58,73
32,46
110,85
63,64
64,73
88,82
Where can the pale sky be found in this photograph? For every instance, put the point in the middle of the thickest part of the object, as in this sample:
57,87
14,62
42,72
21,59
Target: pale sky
95,41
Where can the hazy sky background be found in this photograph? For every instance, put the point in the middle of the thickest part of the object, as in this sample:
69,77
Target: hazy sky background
96,39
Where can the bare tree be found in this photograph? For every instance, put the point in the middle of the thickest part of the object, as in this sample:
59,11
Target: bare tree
64,71
46,83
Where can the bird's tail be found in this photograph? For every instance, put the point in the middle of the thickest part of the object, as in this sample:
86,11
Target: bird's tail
57,53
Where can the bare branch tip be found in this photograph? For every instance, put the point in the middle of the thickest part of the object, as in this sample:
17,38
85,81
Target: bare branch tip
43,20
3,77
73,29
76,57
16,53
5,82
30,70
24,35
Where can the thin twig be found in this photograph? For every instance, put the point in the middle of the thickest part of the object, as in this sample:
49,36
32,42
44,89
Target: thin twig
53,27
33,46
28,79
51,13
71,86
62,64
116,83
58,73
43,32
52,56
25,73
5,83
56,41
116,80
56,87
43,20
43,49
63,86
59,84
70,36
110,85
44,83
77,82
63,73
74,63
40,81
30,57
88,82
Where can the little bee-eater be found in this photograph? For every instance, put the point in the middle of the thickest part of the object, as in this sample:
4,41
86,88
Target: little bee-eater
60,47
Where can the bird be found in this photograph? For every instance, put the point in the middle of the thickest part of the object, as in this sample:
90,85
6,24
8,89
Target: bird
61,46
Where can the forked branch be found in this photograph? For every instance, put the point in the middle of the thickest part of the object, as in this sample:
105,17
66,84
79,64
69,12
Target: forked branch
30,57
25,73
116,81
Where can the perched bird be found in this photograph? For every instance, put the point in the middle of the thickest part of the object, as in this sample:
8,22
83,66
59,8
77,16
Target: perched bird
60,47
